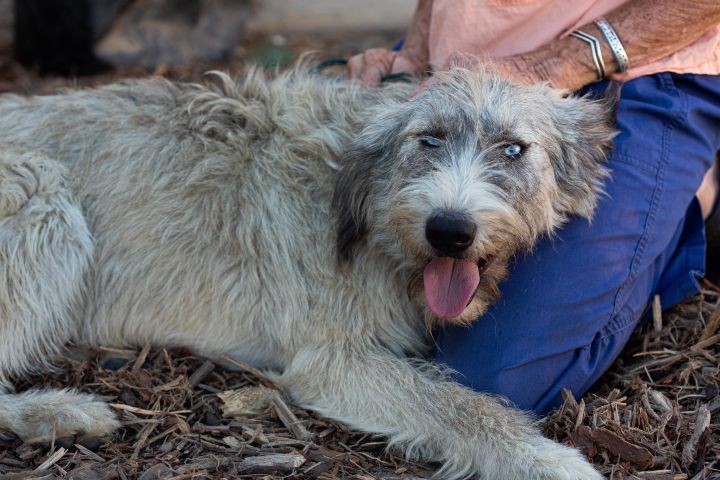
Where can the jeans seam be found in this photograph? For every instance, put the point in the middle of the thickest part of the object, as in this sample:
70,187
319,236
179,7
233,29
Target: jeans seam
667,82
620,322
649,224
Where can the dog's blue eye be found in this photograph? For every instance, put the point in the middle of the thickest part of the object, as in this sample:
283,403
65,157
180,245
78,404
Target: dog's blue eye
431,142
514,150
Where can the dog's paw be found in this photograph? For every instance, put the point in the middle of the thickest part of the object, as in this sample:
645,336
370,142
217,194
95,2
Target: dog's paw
38,417
530,457
554,461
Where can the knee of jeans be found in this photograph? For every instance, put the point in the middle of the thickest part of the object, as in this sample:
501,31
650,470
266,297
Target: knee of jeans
537,384
524,384
582,368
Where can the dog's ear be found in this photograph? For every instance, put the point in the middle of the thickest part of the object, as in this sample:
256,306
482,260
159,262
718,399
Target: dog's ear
587,129
350,200
363,164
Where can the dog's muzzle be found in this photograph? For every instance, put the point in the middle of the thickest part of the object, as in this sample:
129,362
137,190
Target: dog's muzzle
450,281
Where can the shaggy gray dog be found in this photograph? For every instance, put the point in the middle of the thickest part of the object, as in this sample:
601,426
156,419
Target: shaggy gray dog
207,217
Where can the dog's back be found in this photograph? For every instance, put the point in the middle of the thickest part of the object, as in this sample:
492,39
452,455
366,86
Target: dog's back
206,206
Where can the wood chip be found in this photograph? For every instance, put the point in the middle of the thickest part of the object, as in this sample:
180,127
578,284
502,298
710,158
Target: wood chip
702,451
657,314
582,439
157,472
288,418
706,343
142,439
232,442
713,325
234,362
247,401
616,445
200,374
279,462
251,401
702,421
569,399
581,413
89,453
28,476
142,356
714,406
655,475
660,400
135,410
52,460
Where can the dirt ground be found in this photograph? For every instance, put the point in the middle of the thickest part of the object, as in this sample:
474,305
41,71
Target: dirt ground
654,415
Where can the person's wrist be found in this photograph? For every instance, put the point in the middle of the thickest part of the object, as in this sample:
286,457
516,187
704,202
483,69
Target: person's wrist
538,66
581,52
566,63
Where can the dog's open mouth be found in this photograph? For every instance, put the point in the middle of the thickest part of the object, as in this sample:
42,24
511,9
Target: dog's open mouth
450,284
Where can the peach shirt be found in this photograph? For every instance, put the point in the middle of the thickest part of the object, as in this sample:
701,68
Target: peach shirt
505,27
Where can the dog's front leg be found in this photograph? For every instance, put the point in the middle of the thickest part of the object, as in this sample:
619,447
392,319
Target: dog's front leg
427,415
45,253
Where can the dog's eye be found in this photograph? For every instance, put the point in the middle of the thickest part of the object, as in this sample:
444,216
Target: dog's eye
513,150
430,142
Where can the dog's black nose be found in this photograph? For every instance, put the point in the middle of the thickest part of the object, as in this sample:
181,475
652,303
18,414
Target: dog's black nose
450,234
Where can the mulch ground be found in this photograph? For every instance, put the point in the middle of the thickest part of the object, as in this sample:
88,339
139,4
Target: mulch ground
654,415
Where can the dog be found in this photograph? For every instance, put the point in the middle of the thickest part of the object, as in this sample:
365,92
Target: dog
315,229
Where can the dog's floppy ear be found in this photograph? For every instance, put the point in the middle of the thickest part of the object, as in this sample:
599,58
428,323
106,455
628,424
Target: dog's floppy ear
587,131
362,165
350,200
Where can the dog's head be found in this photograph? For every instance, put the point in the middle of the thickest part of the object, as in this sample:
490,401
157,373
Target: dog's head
456,181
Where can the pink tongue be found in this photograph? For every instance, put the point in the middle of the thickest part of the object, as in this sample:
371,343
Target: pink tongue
449,285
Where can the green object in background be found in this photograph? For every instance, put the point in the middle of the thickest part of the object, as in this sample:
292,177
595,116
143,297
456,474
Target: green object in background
270,55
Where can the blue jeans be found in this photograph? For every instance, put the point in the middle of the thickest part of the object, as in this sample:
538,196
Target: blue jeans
568,308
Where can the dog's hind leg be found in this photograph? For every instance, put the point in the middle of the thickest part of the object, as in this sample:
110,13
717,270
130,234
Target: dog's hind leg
427,415
45,253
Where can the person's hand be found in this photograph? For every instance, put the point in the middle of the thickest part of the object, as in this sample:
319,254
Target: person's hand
372,65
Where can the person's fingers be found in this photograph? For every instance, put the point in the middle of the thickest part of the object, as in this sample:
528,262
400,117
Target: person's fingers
403,64
355,65
370,66
358,66
378,63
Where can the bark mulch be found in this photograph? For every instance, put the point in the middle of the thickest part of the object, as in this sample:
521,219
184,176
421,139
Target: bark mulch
174,427
652,416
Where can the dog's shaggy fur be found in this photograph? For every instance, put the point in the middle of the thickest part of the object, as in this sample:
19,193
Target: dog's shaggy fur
283,221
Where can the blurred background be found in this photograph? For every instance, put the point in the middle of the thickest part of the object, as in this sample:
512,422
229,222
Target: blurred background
51,44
